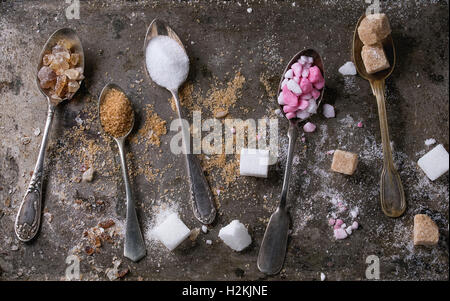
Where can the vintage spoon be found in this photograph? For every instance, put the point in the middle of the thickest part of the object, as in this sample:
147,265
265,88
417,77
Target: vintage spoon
201,196
134,248
273,247
392,197
29,215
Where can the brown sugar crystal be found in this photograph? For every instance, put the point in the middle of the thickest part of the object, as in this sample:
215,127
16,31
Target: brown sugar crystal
116,113
426,231
344,162
374,58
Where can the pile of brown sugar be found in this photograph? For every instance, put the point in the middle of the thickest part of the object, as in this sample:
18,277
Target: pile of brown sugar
116,113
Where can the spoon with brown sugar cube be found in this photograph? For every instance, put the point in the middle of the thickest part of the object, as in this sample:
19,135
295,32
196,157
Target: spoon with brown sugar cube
117,119
59,75
392,197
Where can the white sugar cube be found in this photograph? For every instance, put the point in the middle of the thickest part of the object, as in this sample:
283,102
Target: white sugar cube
435,162
348,69
328,111
254,162
172,231
235,235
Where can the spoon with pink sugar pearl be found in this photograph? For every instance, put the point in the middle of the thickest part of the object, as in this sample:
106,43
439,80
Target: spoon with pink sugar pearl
273,247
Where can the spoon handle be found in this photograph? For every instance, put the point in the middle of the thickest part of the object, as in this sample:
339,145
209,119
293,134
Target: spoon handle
292,135
134,244
392,197
29,215
201,196
273,247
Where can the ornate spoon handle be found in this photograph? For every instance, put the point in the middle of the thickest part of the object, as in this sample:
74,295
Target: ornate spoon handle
202,198
29,216
392,197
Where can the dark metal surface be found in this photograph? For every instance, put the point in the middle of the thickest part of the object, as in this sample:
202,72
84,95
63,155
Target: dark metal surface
222,38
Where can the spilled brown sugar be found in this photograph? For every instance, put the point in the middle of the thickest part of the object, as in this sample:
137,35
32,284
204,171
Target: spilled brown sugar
116,113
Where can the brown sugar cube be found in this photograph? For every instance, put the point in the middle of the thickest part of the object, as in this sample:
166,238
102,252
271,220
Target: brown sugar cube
374,28
344,162
426,231
374,58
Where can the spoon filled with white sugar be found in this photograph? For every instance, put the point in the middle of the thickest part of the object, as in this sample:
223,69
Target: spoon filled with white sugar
167,64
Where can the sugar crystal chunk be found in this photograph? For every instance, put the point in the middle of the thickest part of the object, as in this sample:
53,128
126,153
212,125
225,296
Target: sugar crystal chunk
61,82
235,235
73,86
172,231
46,77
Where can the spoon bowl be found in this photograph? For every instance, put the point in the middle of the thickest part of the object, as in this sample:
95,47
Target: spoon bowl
105,90
389,49
317,62
66,34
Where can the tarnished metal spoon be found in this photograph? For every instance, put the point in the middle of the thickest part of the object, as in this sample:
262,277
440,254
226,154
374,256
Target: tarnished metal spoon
273,247
201,196
134,247
29,215
392,196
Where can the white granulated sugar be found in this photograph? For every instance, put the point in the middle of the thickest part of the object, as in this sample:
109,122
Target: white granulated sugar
167,62
430,141
348,69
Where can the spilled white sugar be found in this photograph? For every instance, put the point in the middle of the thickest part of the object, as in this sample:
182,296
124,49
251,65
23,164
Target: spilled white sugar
348,69
167,62
430,141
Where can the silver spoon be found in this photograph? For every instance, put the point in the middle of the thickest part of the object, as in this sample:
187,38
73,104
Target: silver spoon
201,196
392,196
29,215
273,247
134,248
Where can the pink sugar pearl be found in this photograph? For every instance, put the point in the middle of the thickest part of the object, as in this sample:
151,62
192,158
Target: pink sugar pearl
289,98
290,115
315,75
305,85
297,68
309,127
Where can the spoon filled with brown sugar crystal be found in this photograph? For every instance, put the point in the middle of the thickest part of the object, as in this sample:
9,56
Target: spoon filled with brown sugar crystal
117,119
59,75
